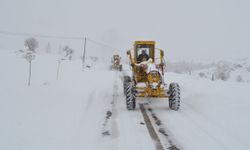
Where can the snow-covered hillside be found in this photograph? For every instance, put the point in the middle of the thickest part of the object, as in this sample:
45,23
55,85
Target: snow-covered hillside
86,109
237,70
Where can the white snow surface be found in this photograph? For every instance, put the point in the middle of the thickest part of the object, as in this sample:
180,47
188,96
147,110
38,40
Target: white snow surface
70,113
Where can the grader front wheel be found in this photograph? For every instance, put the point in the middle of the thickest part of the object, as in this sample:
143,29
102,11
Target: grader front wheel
130,96
126,80
174,96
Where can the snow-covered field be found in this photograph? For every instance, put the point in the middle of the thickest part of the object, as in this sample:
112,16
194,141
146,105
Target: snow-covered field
227,70
86,110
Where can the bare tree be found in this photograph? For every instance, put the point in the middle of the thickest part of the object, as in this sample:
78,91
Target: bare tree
222,71
239,78
31,43
213,78
68,52
202,75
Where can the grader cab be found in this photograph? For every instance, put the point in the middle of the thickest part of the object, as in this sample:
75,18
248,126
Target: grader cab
147,80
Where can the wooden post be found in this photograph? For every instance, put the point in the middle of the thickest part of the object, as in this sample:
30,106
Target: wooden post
84,53
29,73
58,69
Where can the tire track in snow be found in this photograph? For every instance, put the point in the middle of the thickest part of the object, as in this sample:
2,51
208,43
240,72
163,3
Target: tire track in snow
152,132
206,125
90,99
110,124
162,141
114,128
86,107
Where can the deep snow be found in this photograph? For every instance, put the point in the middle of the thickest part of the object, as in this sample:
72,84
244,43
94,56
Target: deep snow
70,113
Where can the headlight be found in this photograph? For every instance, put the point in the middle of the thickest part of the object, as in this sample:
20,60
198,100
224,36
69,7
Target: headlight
154,76
154,79
154,85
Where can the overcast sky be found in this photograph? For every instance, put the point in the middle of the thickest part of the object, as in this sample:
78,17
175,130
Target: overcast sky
184,28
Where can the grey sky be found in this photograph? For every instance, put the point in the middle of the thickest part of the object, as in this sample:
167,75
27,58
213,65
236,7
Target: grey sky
185,28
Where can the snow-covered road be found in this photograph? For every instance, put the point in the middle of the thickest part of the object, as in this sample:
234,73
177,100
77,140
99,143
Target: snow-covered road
213,115
86,110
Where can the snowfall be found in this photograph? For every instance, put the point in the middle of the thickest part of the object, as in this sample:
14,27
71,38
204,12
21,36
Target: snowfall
85,109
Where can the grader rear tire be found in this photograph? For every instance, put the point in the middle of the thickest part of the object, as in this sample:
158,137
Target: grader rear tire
174,96
130,96
126,79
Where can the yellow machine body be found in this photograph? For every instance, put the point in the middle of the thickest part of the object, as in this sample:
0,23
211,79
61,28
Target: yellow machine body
116,62
147,84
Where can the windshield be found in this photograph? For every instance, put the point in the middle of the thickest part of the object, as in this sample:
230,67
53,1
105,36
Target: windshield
143,47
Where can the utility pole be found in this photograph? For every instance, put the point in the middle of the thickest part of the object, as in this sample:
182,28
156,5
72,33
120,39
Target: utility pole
58,69
29,73
84,53
60,60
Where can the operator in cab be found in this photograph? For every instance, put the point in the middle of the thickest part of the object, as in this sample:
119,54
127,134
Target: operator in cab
142,57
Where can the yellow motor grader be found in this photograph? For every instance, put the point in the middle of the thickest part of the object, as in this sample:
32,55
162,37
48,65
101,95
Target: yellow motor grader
147,64
116,63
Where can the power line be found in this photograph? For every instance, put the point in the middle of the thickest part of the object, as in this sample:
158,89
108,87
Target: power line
56,37
100,43
40,35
